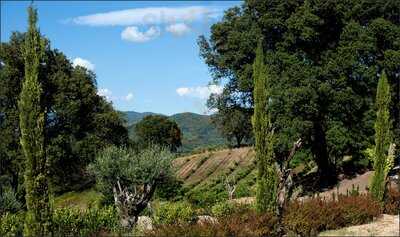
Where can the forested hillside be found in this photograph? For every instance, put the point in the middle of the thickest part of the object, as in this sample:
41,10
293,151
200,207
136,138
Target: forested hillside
197,130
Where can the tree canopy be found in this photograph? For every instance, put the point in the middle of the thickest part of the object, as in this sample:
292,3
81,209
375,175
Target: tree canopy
130,178
324,58
159,130
78,121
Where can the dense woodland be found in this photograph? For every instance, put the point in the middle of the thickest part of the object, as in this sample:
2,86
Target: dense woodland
310,85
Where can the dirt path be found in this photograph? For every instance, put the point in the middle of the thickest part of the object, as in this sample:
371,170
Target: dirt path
360,181
386,225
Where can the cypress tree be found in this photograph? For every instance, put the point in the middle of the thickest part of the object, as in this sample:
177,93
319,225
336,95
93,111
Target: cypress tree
32,117
382,137
262,126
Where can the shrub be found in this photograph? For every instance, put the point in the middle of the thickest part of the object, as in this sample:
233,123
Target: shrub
9,201
170,189
174,213
223,209
392,202
12,224
243,224
310,217
74,222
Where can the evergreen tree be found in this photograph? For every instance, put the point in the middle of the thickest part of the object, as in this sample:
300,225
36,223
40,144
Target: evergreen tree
382,137
32,119
326,55
263,132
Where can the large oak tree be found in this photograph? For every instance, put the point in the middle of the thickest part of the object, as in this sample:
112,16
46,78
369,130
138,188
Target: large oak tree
324,58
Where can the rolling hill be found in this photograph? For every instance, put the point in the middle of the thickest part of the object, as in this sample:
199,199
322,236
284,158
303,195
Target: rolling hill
197,130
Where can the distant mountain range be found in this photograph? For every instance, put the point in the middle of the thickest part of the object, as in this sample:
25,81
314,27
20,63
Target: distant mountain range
197,129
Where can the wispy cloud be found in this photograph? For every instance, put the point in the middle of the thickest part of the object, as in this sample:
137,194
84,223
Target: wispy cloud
83,63
201,92
133,34
178,29
129,97
148,16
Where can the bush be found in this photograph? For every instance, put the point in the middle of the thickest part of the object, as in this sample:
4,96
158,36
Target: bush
392,202
12,224
315,215
9,201
170,189
243,224
74,222
174,213
223,209
227,208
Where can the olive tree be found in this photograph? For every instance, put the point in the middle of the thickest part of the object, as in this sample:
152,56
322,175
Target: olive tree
130,177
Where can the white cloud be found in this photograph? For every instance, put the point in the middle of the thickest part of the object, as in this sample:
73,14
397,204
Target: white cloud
182,91
133,34
148,16
178,29
129,97
201,92
106,93
83,63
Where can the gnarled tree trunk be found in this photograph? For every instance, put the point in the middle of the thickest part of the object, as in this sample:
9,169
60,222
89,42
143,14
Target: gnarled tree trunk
130,203
285,183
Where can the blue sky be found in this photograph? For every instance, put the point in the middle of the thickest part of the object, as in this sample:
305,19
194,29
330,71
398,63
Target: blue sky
144,54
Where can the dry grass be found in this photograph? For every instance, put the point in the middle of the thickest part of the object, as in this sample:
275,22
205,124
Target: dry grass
387,225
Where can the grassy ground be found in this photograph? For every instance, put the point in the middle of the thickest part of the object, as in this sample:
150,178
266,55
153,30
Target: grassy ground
81,200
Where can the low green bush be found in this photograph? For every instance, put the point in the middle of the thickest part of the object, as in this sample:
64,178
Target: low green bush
228,208
223,209
67,222
74,222
174,213
12,224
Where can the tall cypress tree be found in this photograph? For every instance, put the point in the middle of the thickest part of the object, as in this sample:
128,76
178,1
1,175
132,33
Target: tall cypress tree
382,137
32,117
262,126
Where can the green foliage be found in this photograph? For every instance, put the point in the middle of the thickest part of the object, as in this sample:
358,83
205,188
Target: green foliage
133,117
263,132
170,189
81,200
78,122
234,124
198,132
32,121
382,138
174,213
159,130
325,56
8,201
75,222
207,194
223,209
12,224
131,168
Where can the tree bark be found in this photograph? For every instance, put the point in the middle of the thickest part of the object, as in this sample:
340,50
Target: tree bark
326,170
131,203
285,184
